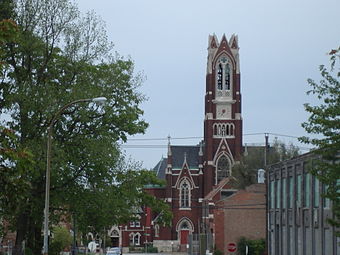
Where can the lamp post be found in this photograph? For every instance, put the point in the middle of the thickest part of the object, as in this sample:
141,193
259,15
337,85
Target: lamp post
48,163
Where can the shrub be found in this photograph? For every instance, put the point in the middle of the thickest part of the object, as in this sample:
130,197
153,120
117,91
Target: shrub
218,252
255,247
62,239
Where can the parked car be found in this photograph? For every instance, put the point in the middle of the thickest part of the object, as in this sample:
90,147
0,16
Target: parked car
114,251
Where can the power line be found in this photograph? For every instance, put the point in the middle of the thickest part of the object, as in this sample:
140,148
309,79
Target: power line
164,139
201,137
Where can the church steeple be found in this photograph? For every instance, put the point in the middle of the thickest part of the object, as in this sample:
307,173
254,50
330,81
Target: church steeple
223,118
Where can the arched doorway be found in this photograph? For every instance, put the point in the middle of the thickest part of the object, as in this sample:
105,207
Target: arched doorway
184,233
184,229
114,235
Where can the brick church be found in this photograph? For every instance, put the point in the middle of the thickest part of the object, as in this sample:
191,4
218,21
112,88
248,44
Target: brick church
200,175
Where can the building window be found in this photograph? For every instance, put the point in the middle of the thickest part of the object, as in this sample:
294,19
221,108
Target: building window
298,191
227,77
316,185
284,193
136,239
131,240
307,190
291,192
185,194
184,225
223,168
156,230
223,76
219,77
132,224
226,193
224,129
326,201
272,194
278,193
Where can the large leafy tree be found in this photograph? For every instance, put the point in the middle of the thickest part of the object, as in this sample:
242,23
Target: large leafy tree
324,124
254,159
59,56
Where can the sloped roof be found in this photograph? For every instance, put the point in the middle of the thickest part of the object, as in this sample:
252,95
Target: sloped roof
159,169
191,153
219,187
178,152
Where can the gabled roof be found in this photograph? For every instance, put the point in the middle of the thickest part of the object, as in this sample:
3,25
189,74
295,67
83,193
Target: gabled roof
229,180
191,153
160,168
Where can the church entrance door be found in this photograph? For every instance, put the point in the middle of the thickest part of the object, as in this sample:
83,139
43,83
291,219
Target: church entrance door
184,236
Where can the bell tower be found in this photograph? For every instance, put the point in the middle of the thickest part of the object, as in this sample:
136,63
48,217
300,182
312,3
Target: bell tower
223,119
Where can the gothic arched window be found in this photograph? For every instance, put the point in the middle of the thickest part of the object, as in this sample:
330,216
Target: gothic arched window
215,129
223,76
227,77
156,230
223,168
219,77
185,195
136,239
184,225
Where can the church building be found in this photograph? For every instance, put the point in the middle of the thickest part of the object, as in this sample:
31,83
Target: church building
198,175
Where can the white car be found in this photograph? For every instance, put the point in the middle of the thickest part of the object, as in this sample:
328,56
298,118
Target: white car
114,251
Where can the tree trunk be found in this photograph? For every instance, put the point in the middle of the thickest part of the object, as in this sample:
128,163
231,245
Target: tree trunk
21,229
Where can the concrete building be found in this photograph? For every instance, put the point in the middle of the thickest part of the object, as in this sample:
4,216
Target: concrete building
297,212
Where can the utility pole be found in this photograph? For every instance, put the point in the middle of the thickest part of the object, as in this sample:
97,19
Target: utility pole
266,144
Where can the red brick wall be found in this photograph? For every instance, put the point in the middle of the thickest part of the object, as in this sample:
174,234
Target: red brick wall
234,219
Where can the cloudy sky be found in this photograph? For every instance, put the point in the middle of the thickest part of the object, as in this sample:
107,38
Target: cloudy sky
282,43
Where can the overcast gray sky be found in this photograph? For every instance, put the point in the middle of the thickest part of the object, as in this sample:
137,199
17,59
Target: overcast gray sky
282,43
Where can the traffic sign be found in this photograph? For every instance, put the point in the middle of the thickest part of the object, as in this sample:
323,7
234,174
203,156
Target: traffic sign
231,247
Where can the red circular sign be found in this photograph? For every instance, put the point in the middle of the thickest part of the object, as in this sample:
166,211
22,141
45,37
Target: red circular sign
231,247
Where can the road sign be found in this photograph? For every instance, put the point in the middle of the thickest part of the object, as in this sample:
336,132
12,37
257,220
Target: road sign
231,247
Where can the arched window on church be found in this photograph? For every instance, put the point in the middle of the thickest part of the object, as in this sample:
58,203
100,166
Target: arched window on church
224,76
131,239
228,129
219,77
185,194
215,129
223,168
136,239
227,77
223,131
156,230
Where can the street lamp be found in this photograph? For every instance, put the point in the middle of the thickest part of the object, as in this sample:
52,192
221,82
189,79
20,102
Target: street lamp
48,165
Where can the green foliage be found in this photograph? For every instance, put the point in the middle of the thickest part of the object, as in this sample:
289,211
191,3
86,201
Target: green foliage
324,123
218,252
62,239
150,249
16,167
59,56
246,171
255,247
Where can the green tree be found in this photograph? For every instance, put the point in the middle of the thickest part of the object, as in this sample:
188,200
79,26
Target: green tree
324,122
60,56
15,169
255,247
253,160
61,239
